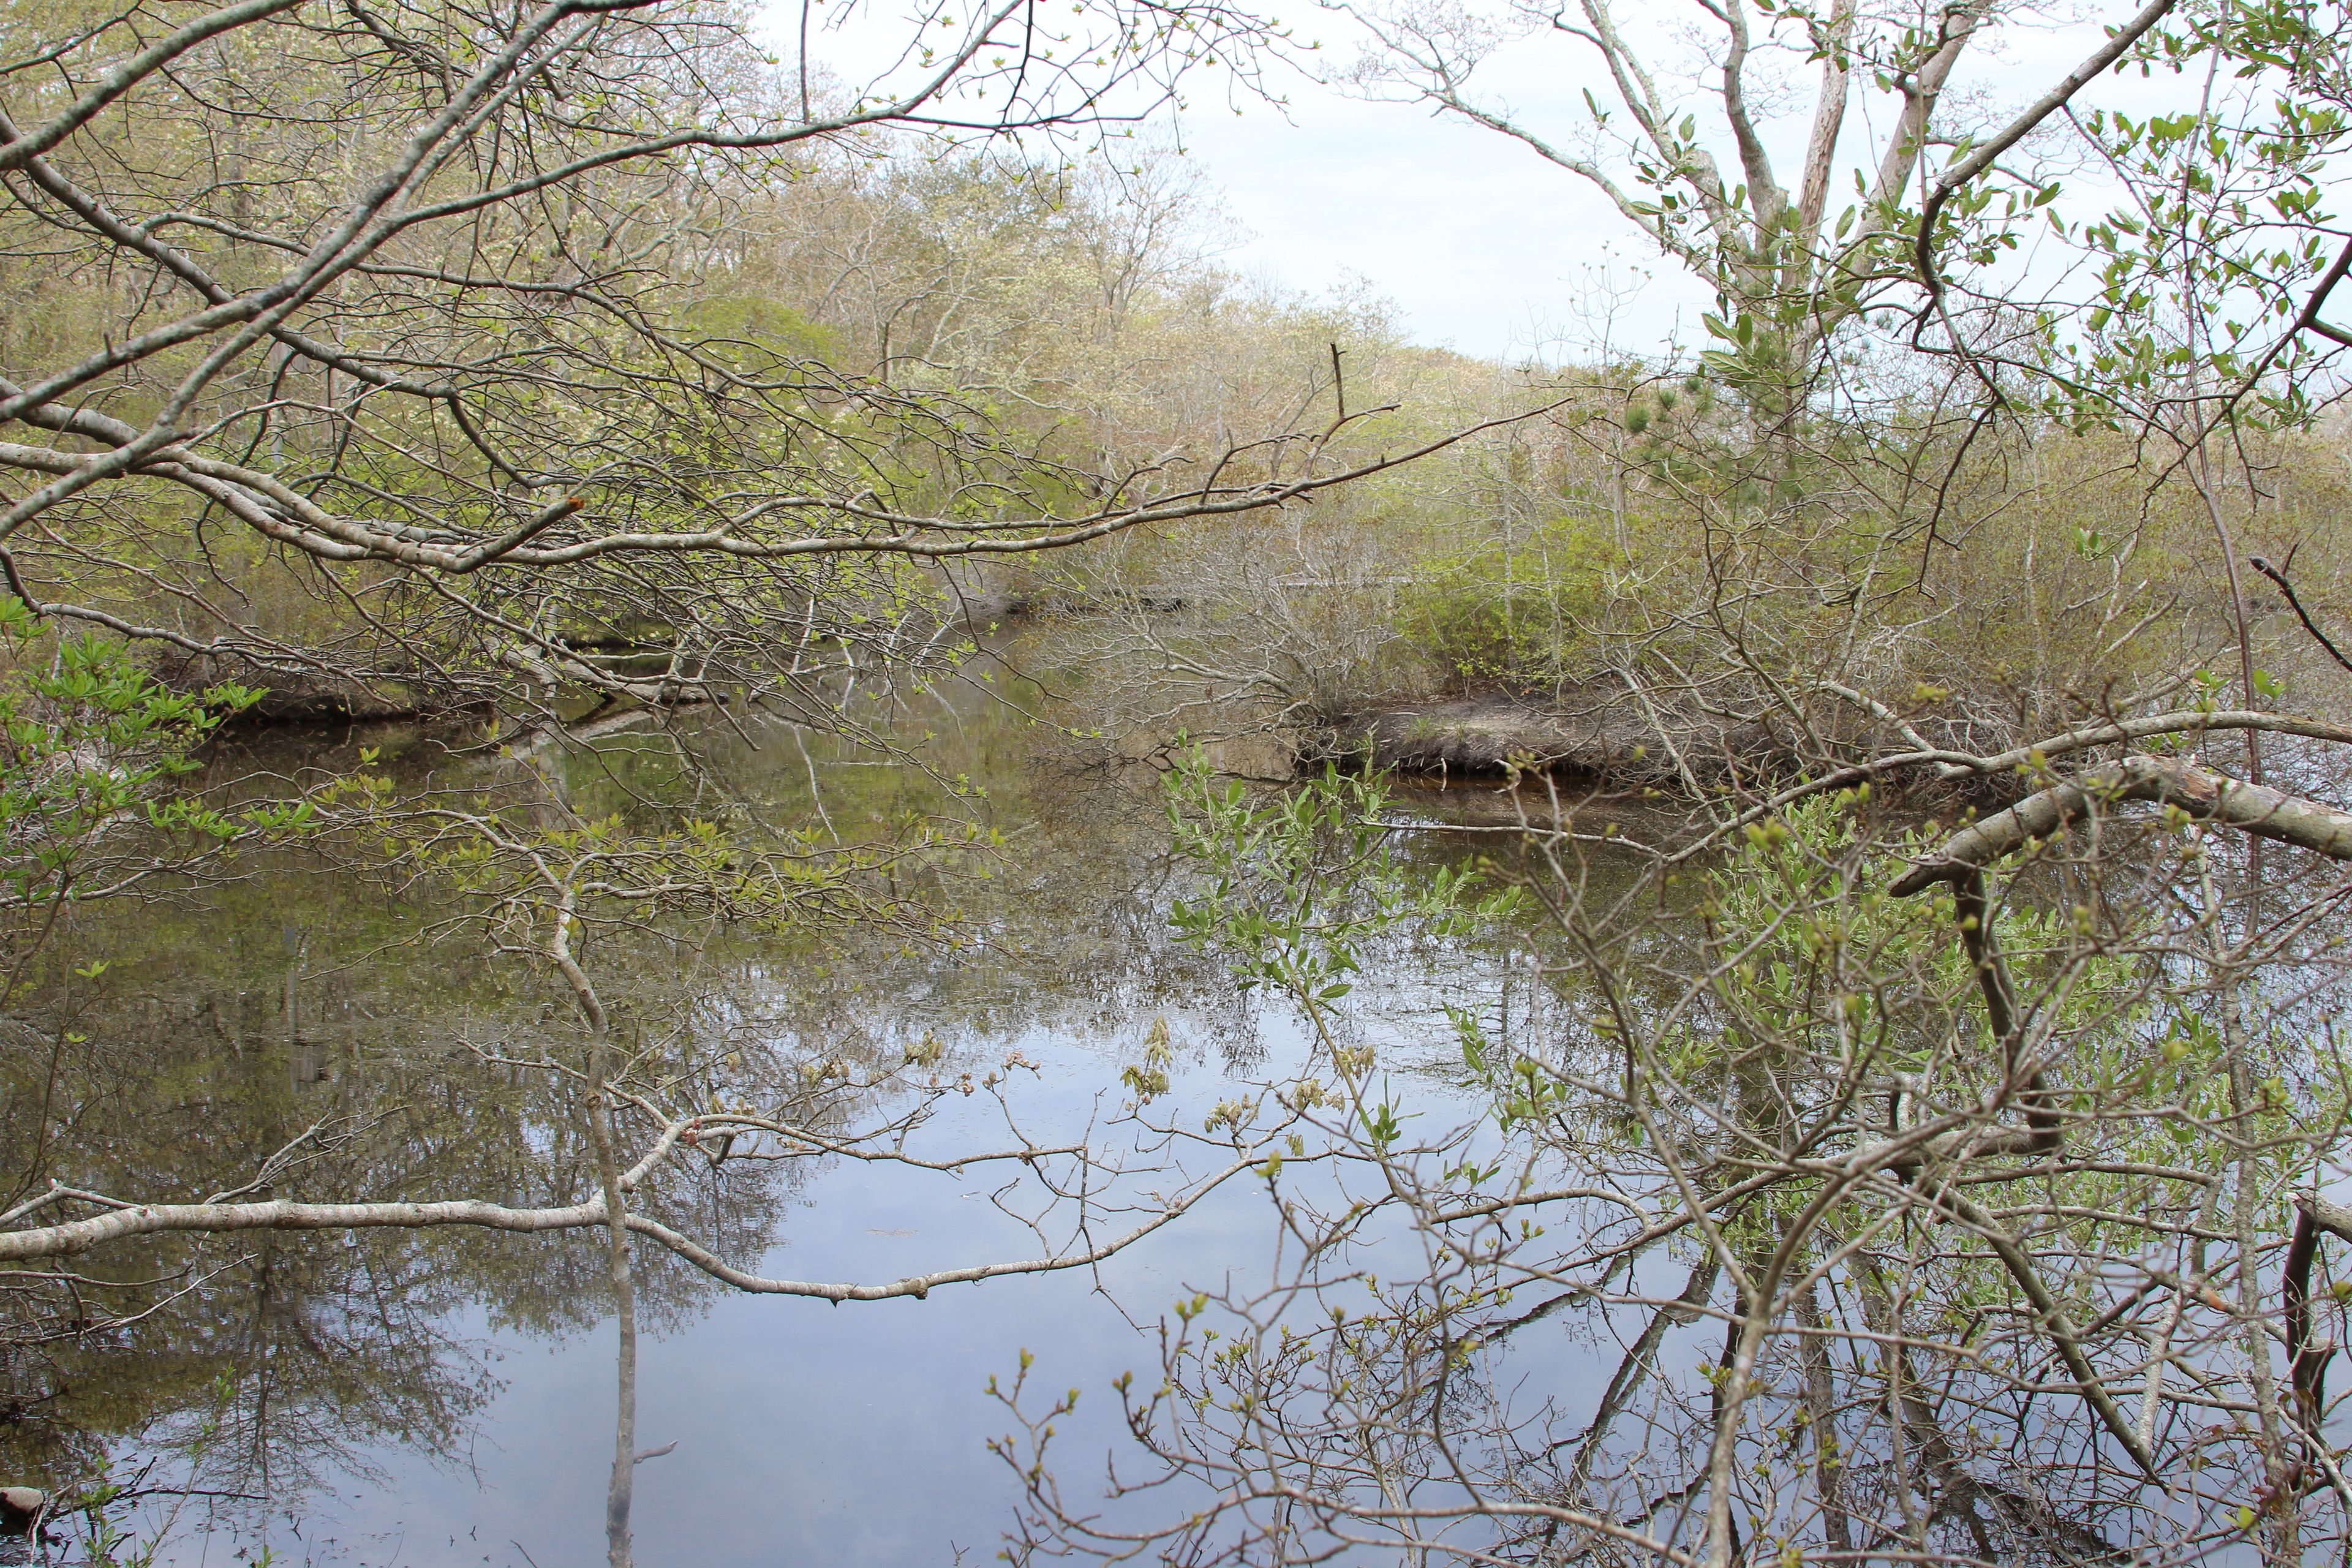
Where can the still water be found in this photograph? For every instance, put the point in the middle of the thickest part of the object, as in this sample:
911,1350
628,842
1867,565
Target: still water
447,1398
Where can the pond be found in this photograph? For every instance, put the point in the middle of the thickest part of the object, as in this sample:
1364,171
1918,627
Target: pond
409,1398
1488,1283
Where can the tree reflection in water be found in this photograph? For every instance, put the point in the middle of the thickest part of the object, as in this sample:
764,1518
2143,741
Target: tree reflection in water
297,1036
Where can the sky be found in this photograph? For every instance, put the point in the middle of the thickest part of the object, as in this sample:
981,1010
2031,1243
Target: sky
1478,242
1486,247
1482,245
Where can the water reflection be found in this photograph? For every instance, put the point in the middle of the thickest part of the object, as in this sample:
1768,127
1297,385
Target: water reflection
446,1396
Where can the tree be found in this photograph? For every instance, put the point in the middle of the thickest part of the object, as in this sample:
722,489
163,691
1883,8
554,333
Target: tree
414,356
414,351
1931,1220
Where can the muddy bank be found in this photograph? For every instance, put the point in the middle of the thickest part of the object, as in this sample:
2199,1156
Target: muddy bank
1589,735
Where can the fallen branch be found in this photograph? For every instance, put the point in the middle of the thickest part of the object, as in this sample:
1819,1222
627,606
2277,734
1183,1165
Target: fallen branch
2202,794
151,1219
1952,764
2052,1320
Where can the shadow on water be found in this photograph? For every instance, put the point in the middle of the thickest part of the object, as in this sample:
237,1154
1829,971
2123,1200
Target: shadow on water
445,1397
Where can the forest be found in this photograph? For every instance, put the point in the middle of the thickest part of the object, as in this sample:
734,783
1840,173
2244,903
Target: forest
745,817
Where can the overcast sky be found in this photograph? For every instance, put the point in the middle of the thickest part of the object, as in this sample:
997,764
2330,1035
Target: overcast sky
1480,243
1486,247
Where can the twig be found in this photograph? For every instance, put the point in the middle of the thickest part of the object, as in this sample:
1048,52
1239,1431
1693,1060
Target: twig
2279,577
